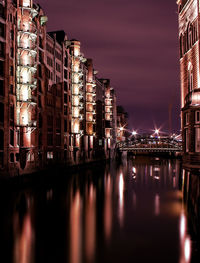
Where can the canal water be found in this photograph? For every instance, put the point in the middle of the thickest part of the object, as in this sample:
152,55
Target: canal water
129,212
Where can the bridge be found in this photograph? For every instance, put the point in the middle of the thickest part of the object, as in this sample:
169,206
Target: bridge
150,145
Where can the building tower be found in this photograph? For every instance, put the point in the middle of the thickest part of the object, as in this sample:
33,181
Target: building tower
189,19
90,107
26,88
77,97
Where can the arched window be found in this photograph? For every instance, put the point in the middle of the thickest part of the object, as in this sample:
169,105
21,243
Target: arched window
181,45
1,112
190,77
187,38
190,36
1,139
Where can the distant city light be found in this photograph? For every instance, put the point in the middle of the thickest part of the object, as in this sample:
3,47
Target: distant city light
157,131
121,128
134,133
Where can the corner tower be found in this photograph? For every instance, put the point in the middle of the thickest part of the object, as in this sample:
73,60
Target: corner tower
188,12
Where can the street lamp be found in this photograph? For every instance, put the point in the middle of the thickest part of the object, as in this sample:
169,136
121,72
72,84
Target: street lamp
134,133
157,131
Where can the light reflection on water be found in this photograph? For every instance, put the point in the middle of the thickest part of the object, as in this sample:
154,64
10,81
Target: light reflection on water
133,210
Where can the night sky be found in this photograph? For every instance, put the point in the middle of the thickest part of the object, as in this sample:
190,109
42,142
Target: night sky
135,44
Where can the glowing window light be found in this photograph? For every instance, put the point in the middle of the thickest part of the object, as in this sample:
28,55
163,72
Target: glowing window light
75,89
76,67
25,42
24,93
26,26
107,133
26,59
89,98
25,76
76,112
89,107
76,51
89,117
108,102
107,117
27,3
76,101
107,109
24,117
75,127
76,78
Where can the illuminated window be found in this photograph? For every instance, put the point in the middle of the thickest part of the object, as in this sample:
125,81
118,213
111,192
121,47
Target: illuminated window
27,3
49,155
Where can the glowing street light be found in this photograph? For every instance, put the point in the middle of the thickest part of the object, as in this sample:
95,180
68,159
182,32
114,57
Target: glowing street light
157,131
134,133
121,128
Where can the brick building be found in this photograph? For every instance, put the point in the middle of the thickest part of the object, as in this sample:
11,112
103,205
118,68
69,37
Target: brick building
53,108
189,19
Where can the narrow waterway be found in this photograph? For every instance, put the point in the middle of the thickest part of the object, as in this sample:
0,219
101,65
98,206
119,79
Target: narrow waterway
132,212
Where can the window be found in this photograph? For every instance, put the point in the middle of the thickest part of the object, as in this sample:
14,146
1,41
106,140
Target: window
65,125
197,116
1,159
11,71
50,139
11,115
11,89
65,74
1,49
2,11
12,35
49,155
1,68
17,157
1,139
65,86
65,98
2,30
190,77
1,87
11,137
1,112
181,45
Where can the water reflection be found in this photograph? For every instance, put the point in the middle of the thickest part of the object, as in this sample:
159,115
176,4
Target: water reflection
90,223
110,214
75,228
108,207
121,199
23,232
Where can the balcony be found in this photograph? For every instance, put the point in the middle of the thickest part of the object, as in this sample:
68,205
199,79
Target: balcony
32,11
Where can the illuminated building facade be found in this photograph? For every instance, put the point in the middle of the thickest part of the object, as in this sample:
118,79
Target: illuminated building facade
77,105
90,101
189,75
48,96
